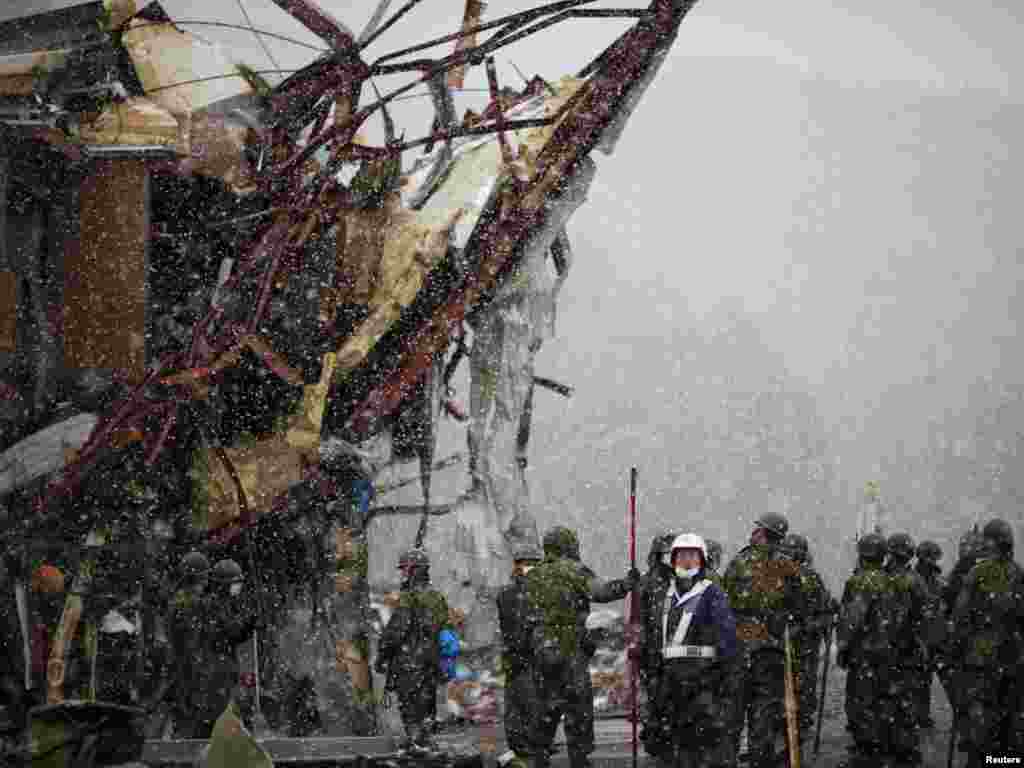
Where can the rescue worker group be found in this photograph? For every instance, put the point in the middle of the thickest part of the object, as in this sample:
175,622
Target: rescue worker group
720,653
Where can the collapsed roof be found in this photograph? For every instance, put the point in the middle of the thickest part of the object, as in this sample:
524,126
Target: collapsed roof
397,258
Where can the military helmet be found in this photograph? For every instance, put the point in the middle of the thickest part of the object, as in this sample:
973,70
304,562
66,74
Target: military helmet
796,544
193,565
414,558
226,571
774,524
872,547
928,551
901,546
999,533
560,541
527,550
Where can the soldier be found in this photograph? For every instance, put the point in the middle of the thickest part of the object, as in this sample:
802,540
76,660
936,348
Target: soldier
969,551
764,589
878,642
809,635
231,621
186,624
928,555
987,637
691,633
560,585
520,697
652,585
409,651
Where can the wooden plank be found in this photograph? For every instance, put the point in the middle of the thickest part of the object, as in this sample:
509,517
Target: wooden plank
105,277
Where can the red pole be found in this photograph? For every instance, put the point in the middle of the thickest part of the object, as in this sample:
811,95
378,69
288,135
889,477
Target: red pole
634,611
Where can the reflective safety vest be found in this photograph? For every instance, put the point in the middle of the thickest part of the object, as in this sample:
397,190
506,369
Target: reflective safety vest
674,648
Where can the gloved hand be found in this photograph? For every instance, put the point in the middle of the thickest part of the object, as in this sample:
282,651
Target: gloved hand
843,659
633,577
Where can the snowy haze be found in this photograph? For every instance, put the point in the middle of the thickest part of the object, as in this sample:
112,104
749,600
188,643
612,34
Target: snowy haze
799,271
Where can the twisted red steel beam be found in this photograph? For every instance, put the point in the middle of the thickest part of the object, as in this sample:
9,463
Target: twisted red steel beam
501,237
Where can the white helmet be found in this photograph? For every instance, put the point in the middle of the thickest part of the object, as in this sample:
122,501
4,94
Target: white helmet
690,541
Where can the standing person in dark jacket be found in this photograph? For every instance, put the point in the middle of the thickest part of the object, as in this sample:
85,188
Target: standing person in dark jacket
809,635
928,555
987,638
517,655
652,585
691,631
186,624
231,621
409,652
878,640
560,591
764,585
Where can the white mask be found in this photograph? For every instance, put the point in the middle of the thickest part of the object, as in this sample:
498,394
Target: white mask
236,588
687,573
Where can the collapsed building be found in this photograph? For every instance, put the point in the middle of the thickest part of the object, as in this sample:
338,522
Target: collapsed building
227,319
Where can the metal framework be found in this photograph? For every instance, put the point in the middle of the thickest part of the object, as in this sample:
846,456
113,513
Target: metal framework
302,209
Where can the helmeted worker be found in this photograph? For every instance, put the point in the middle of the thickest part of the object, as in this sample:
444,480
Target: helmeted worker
986,637
517,656
409,652
878,641
927,567
811,633
969,551
231,621
690,639
764,587
187,617
560,591
652,586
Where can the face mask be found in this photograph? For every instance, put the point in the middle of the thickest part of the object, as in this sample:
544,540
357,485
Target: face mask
687,573
236,589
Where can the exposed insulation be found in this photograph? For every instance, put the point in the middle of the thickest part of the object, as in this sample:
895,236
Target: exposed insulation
135,121
396,249
168,60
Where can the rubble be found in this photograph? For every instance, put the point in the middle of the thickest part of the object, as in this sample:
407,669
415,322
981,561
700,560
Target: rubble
329,294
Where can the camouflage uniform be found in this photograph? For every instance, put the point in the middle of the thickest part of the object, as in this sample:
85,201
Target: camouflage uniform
409,650
987,637
811,633
763,585
517,652
879,643
691,721
928,554
566,688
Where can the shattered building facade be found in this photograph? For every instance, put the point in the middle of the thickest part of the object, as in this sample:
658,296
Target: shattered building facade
226,317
